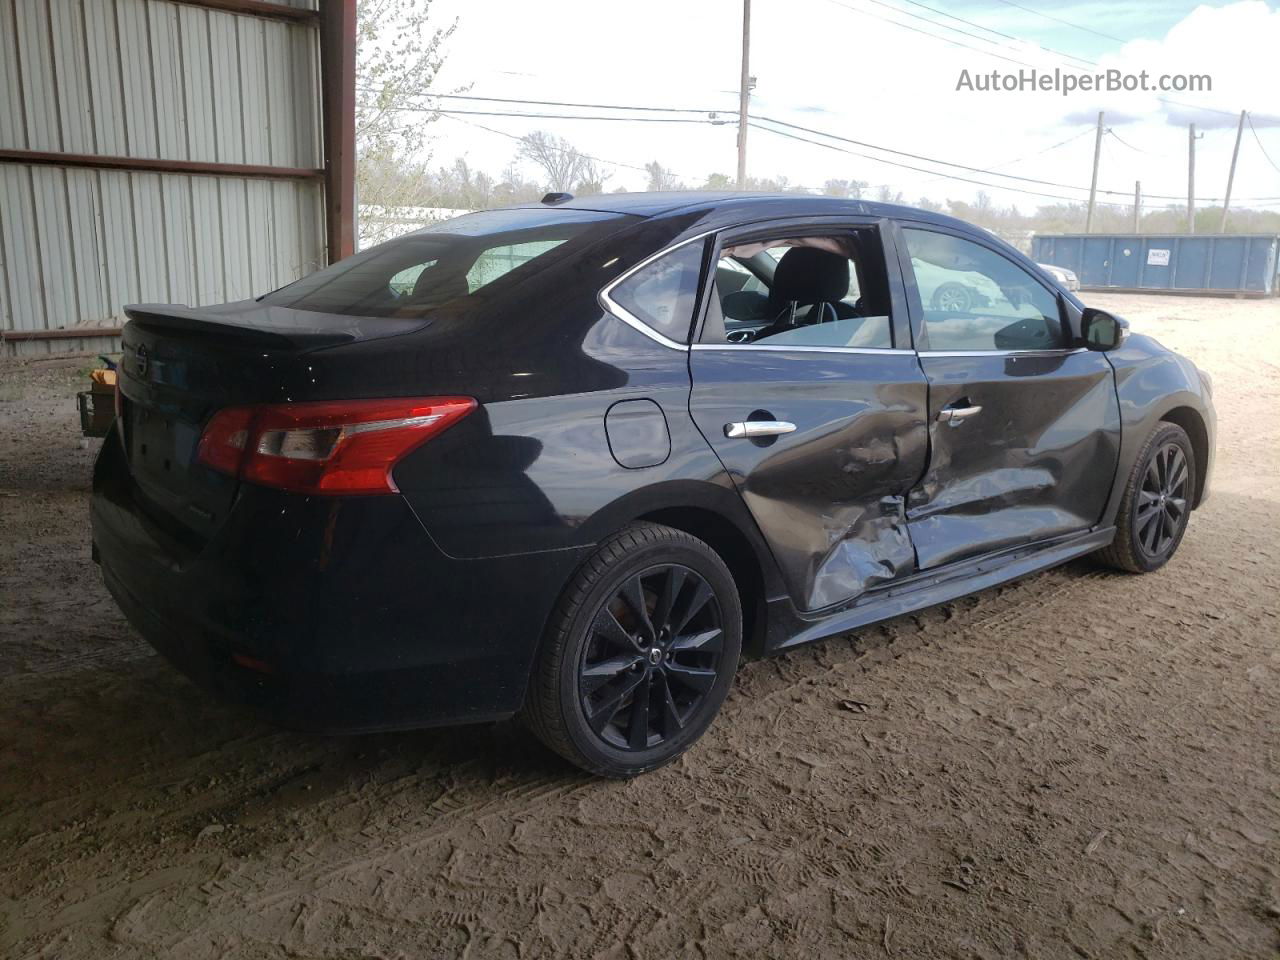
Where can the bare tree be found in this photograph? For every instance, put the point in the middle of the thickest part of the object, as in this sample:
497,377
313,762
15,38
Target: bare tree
661,178
398,55
554,156
567,169
845,188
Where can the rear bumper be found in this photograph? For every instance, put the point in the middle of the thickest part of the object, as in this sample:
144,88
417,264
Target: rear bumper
331,615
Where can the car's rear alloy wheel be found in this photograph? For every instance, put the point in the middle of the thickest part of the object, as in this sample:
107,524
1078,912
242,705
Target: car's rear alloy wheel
640,654
652,658
1157,503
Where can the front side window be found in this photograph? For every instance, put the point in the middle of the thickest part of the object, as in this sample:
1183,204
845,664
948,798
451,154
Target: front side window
663,294
972,298
808,291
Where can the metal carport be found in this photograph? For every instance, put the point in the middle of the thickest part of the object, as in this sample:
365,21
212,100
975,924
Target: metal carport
191,151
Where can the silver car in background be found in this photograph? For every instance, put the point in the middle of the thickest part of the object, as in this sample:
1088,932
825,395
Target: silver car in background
1066,278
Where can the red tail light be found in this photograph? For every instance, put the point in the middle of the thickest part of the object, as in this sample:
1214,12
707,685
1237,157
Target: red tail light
330,447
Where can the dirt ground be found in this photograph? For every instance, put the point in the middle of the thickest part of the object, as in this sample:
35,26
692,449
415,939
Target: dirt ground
1081,764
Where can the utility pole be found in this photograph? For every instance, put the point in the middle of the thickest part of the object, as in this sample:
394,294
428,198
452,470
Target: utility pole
1191,179
1137,206
1231,175
744,91
1093,184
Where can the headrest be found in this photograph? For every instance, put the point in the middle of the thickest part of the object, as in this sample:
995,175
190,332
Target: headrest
809,275
435,287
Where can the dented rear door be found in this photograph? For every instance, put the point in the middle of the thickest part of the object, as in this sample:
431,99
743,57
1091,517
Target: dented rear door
829,496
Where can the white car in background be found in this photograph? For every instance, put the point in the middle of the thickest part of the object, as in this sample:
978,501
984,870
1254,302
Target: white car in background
1065,278
954,291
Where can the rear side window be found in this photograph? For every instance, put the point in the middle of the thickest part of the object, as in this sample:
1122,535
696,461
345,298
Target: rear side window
497,261
448,262
826,291
662,294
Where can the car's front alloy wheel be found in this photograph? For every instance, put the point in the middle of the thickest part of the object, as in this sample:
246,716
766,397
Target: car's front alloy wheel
1157,503
640,653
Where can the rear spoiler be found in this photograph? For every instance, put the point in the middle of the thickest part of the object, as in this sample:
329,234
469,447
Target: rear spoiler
266,326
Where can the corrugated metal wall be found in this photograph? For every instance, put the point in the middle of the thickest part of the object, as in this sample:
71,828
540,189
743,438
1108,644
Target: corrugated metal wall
148,78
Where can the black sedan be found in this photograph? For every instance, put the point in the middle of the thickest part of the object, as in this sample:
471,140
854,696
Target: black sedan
570,461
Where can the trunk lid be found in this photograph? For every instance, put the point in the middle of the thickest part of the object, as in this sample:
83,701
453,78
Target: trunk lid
181,364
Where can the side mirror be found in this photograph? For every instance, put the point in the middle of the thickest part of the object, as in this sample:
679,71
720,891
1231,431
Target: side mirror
1102,330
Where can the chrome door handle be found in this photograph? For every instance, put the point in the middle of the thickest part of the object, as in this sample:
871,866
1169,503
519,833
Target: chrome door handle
956,414
758,428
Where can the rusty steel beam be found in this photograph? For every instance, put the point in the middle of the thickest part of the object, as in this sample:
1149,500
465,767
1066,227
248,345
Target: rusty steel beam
151,165
338,79
65,333
258,8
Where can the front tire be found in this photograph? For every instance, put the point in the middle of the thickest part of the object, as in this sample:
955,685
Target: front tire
1157,503
639,654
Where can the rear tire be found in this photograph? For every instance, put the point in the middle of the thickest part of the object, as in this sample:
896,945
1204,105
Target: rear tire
639,654
1157,503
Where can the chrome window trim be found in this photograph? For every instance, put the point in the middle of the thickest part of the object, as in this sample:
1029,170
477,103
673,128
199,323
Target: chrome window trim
783,348
614,309
1053,352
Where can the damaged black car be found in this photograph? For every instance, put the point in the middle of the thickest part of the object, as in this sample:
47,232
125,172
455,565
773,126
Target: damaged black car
572,461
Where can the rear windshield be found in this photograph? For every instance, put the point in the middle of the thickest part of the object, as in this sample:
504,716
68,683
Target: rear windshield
440,264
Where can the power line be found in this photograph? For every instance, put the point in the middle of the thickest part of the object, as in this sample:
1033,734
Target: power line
447,111
972,169
1021,63
1049,16
974,23
945,163
954,43
1218,110
452,111
518,138
1061,143
1022,43
1008,163
1124,143
559,103
1254,130
907,166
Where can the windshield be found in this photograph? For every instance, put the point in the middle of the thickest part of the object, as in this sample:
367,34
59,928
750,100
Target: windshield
446,262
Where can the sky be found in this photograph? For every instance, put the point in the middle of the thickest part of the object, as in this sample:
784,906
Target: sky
879,72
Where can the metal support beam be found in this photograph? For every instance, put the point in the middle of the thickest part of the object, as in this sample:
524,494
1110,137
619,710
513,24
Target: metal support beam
338,78
150,165
258,8
62,333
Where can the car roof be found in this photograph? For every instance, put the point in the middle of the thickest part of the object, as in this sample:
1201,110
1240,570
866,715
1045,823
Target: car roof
747,204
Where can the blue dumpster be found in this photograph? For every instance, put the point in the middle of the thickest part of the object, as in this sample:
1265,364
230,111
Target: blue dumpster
1241,264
